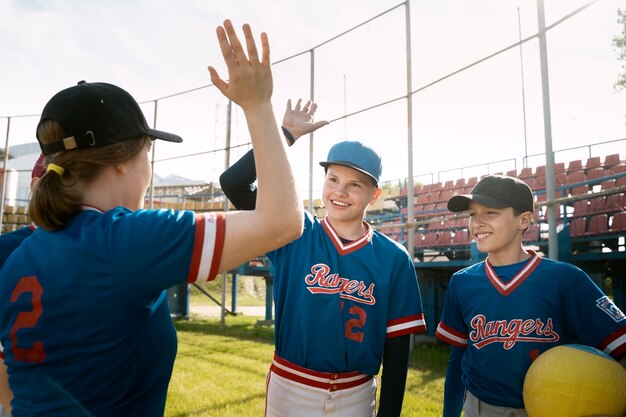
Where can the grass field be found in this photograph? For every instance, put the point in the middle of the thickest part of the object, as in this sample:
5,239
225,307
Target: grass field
222,373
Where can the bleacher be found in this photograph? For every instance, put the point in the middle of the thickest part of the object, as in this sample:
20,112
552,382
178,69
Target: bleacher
591,203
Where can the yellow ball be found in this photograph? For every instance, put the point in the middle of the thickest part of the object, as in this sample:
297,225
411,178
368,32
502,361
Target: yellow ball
575,381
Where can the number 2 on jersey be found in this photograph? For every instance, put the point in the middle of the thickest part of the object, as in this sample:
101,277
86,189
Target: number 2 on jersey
27,320
354,325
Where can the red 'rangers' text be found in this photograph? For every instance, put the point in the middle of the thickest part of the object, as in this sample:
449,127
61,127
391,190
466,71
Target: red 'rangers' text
510,332
321,281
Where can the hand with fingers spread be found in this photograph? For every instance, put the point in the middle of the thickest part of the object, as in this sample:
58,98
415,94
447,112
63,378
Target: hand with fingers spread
299,120
249,79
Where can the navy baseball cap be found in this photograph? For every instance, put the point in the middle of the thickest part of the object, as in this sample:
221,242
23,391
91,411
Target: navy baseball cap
496,191
357,156
96,114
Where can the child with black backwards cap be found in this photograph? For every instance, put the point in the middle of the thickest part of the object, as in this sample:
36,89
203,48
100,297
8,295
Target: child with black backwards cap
346,296
84,321
501,313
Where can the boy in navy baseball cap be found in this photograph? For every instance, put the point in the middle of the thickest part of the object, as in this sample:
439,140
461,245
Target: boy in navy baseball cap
346,296
501,313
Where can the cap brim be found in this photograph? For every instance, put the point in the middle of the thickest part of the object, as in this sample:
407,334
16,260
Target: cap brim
159,134
348,164
461,202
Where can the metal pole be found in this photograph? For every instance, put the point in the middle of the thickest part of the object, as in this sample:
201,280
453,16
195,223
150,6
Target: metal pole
5,173
410,194
229,111
521,62
154,122
312,94
553,248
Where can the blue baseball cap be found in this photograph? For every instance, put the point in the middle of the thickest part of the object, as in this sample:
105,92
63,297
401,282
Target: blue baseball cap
357,156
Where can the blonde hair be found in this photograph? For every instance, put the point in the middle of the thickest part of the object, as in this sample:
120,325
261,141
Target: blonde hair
57,198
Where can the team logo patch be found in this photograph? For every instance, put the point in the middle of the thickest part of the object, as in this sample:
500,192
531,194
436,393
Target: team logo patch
321,281
605,304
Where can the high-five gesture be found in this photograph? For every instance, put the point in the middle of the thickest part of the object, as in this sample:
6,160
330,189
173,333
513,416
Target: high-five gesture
269,225
249,79
299,120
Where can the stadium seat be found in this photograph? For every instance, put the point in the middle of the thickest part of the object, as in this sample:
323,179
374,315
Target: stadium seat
595,173
445,239
592,162
575,165
619,222
460,183
596,205
559,167
617,169
578,178
581,208
540,171
445,194
525,173
461,237
598,225
607,184
611,160
578,227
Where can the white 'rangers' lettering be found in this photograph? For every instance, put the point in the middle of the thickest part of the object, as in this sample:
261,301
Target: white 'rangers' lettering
321,281
509,332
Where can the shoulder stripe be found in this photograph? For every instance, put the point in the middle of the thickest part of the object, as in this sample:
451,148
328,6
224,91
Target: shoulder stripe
406,325
451,336
615,344
207,247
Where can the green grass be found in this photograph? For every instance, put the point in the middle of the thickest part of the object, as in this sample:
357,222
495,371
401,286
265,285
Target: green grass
222,372
250,291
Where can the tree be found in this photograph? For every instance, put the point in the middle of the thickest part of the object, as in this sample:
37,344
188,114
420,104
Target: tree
619,42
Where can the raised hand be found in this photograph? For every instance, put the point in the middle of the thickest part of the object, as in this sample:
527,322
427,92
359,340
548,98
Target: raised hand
249,79
299,120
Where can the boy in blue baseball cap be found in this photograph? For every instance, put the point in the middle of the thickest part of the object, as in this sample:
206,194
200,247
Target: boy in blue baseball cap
346,296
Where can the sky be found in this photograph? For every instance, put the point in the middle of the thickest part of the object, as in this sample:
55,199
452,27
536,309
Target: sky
157,49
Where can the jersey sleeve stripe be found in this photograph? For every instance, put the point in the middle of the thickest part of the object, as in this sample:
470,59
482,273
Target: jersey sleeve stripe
406,325
207,248
615,344
451,336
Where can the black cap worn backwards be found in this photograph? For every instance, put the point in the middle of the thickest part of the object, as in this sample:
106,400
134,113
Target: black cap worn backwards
496,191
96,114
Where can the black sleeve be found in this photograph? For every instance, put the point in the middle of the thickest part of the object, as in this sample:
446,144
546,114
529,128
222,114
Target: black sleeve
237,182
454,391
393,380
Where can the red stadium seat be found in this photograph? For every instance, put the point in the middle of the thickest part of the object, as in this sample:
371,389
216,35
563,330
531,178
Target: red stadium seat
598,225
596,205
577,177
575,165
610,160
559,167
619,222
581,208
525,173
595,173
578,227
593,162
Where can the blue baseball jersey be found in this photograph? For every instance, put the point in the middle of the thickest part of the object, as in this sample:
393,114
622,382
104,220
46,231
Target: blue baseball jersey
337,303
84,320
506,316
10,241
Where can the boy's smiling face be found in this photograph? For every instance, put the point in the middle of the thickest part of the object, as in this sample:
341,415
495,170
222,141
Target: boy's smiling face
347,193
